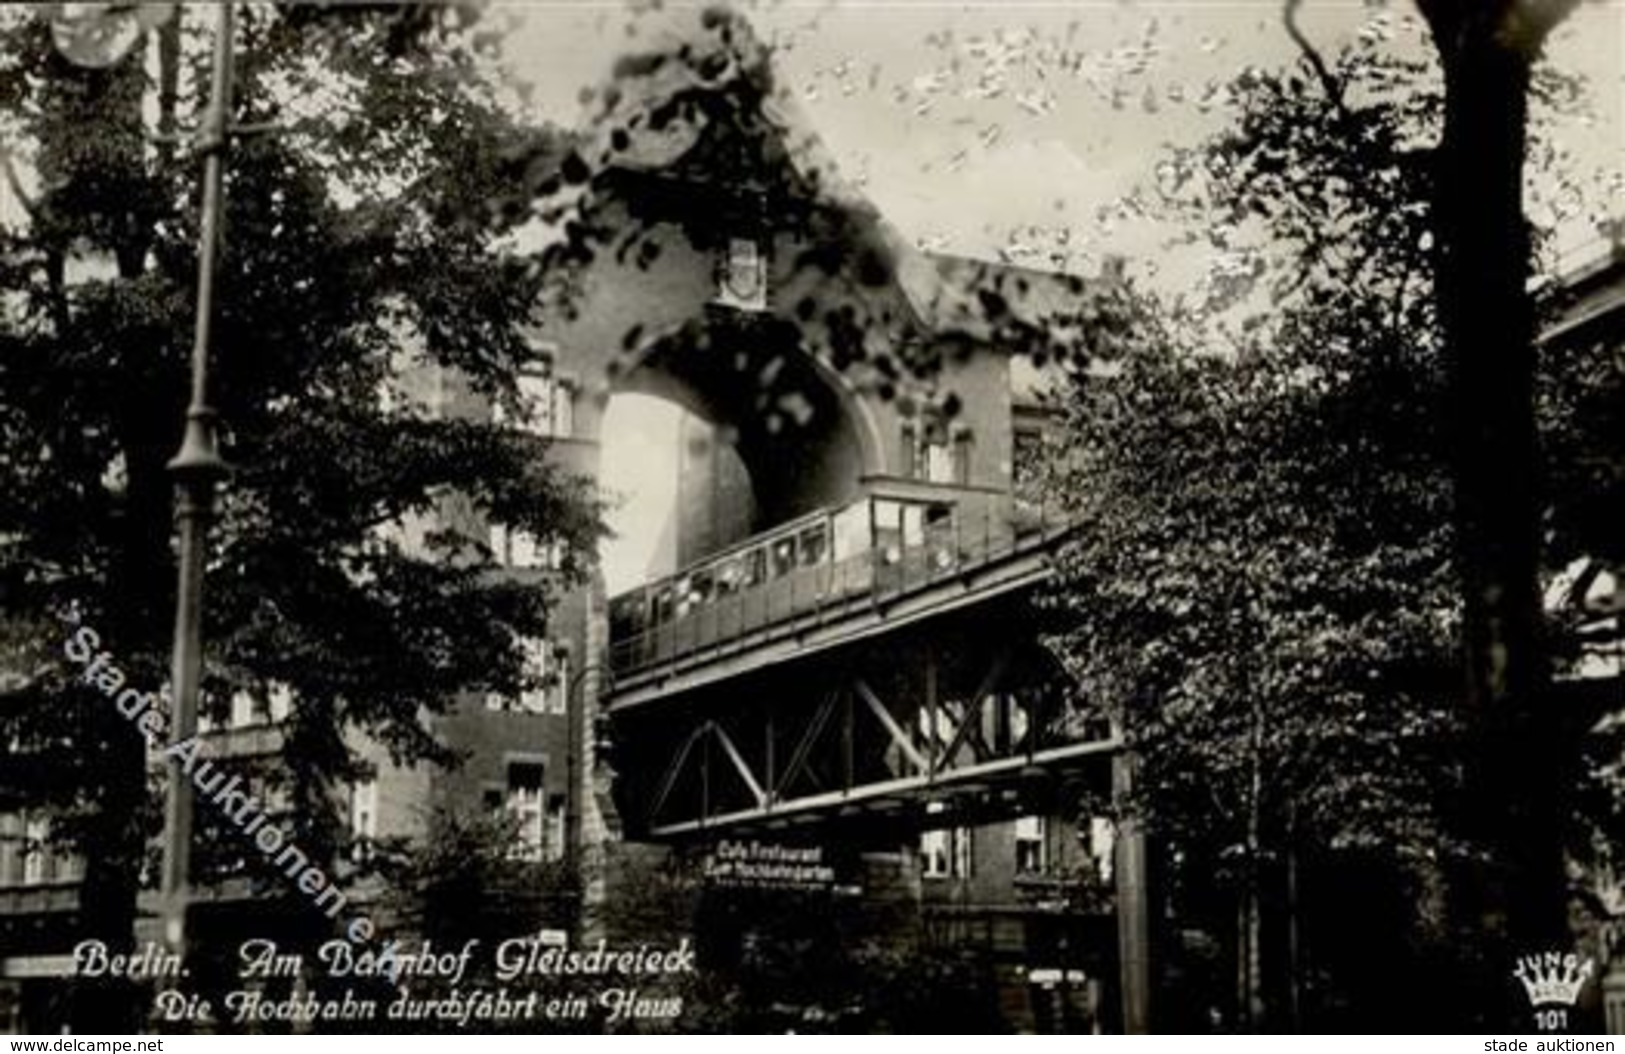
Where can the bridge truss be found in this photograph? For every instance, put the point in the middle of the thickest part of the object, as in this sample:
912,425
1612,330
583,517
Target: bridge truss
920,725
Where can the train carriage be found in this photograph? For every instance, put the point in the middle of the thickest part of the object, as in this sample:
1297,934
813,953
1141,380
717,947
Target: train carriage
822,559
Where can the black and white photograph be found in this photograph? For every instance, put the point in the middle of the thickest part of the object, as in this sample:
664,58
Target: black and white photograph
580,517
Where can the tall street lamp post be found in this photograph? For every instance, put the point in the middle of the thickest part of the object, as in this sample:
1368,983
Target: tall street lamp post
96,36
197,467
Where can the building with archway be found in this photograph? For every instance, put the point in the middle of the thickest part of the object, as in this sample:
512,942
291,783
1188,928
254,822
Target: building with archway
849,521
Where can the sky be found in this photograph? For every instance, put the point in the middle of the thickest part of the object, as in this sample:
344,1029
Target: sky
975,127
1013,127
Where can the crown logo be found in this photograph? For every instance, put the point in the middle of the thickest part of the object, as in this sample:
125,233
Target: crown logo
1554,978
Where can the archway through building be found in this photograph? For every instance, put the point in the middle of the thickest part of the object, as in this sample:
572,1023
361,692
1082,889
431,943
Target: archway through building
718,432
678,487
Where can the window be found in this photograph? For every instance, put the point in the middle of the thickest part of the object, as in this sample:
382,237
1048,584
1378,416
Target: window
939,461
934,854
548,406
547,661
558,691
207,718
249,709
628,615
851,531
755,567
11,849
69,867
526,805
784,557
936,452
1028,454
548,664
961,457
946,853
814,544
36,853
730,576
555,826
898,526
27,857
1030,855
1102,840
537,664
513,548
962,852
363,818
281,700
661,605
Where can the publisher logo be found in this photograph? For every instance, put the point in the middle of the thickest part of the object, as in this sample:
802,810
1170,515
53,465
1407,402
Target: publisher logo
1553,981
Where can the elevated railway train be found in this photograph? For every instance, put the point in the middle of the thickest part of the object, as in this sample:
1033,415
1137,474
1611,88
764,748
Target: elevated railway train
872,546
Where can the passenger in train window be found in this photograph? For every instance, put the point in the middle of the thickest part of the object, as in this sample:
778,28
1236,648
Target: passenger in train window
730,576
784,557
684,596
814,544
702,586
939,535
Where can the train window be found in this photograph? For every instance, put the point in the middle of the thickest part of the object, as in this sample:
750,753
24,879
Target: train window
814,544
661,606
889,530
784,557
626,615
730,576
939,531
898,526
755,567
703,586
913,525
851,530
683,596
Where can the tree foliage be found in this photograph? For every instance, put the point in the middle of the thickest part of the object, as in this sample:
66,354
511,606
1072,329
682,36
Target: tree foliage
368,296
1264,592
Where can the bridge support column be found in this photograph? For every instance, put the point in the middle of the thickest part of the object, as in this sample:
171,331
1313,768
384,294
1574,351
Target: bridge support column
1130,868
589,821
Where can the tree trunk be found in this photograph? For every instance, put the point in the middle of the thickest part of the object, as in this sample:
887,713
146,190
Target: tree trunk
1294,948
1250,939
140,596
1482,269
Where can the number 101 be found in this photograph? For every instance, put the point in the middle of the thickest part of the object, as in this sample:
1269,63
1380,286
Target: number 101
1553,1020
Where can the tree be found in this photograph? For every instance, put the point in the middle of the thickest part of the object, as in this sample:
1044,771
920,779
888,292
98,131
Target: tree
1274,666
1482,270
1264,591
365,242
